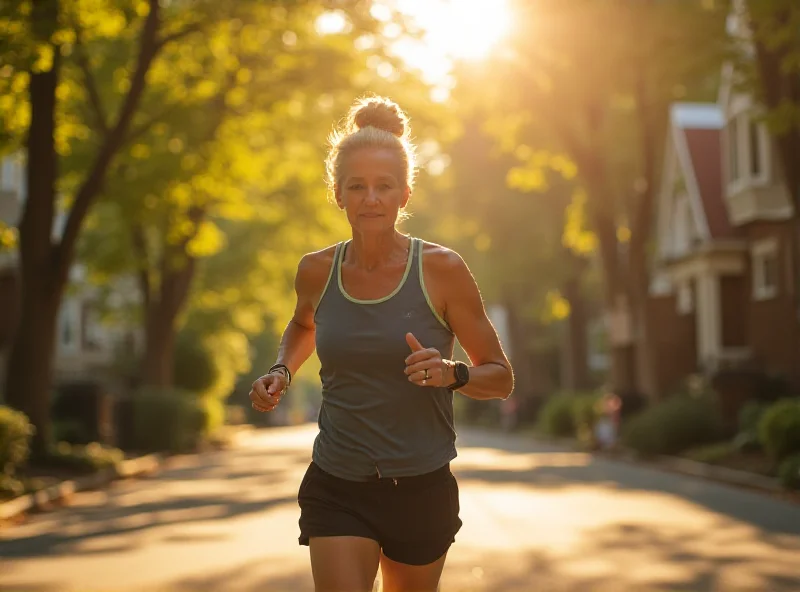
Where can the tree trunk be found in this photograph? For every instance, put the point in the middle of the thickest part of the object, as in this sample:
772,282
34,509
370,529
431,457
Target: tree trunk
779,88
576,351
161,320
30,362
159,354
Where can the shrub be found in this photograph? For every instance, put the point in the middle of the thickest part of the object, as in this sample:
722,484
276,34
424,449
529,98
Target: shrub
16,432
750,415
556,417
194,366
83,408
779,429
674,426
789,472
569,414
87,458
167,420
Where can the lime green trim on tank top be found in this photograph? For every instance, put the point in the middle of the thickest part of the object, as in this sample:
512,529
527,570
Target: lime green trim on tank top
377,300
425,290
330,275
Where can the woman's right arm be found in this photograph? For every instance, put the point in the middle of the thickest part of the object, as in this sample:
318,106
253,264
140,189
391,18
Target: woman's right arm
298,340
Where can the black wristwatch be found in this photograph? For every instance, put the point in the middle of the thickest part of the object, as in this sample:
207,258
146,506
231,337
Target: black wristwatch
461,370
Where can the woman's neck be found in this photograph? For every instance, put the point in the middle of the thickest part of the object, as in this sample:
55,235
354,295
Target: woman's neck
370,251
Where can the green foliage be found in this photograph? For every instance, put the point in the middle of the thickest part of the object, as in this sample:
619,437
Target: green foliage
673,426
555,417
749,418
88,458
16,432
569,414
779,429
168,420
711,453
195,368
789,472
69,431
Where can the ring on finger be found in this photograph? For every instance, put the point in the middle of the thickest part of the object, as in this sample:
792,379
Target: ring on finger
427,376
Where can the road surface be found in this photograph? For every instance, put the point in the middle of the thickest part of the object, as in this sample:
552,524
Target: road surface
535,518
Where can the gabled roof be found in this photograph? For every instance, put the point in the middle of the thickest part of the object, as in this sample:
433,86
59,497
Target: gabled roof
697,135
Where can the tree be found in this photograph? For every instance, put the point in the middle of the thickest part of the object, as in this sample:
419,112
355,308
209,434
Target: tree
774,75
73,128
601,101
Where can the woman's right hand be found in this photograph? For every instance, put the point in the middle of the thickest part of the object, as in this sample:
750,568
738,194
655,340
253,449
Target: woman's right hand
267,391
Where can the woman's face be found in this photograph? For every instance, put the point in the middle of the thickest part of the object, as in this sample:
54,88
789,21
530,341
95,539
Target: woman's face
373,189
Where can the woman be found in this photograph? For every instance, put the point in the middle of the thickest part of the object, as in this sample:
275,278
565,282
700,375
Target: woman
382,311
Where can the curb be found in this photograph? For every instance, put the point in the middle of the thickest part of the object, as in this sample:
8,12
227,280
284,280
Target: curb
691,468
44,497
684,466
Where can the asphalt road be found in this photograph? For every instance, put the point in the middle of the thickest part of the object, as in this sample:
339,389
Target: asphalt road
535,518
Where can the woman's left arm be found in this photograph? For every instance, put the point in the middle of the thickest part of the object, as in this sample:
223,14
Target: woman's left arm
490,376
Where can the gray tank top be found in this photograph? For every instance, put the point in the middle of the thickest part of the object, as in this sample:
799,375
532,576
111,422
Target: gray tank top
372,419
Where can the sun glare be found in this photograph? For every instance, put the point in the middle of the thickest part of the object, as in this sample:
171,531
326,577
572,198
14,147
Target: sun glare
451,30
467,29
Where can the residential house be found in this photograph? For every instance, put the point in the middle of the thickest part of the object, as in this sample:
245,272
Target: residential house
85,347
722,290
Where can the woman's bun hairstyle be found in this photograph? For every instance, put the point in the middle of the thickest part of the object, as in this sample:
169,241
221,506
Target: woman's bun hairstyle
379,113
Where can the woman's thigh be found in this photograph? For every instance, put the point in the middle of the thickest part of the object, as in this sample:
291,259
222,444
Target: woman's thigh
401,577
344,563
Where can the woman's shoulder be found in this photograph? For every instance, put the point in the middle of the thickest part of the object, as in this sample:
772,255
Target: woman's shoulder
315,267
441,259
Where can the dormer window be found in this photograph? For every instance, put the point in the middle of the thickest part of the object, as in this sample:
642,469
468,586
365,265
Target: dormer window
747,152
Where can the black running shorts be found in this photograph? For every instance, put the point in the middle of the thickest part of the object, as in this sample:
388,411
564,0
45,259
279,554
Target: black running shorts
413,519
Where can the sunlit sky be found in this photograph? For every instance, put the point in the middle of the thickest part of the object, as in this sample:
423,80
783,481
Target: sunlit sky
452,30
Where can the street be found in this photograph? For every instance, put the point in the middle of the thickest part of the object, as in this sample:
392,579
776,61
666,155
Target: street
535,518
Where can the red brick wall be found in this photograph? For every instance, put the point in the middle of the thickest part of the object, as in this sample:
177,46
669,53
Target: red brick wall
674,339
772,325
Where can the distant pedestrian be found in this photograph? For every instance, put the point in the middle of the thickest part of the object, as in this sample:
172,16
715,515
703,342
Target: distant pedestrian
382,310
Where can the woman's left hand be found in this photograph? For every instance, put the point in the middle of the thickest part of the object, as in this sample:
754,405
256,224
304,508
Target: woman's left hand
424,366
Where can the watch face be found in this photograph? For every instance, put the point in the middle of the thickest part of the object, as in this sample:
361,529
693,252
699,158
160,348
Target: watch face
462,372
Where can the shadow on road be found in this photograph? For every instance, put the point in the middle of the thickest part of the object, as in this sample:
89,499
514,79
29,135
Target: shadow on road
192,490
510,460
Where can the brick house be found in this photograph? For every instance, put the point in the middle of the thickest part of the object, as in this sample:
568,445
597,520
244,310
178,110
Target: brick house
722,291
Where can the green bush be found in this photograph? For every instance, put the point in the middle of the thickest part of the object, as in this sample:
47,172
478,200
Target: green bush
789,472
88,458
168,420
556,417
213,414
195,368
779,429
569,414
750,415
16,432
673,426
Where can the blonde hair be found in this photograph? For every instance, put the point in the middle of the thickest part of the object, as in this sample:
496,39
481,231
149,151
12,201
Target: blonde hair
373,122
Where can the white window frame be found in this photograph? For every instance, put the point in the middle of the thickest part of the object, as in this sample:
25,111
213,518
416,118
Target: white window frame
685,298
743,154
760,252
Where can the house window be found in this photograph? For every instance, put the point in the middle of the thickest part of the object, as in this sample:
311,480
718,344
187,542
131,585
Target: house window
748,151
733,150
756,167
766,269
